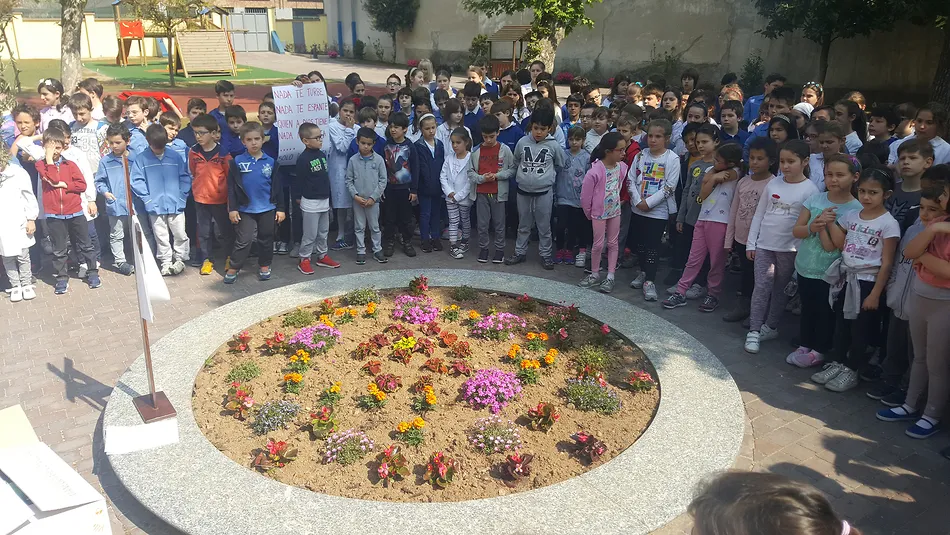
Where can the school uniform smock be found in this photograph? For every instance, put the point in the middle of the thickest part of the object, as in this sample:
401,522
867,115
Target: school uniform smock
17,205
339,138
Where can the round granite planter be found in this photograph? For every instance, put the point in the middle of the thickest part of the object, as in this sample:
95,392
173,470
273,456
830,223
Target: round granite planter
697,429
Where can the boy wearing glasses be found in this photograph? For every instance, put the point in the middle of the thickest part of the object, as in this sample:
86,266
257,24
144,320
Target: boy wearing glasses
209,186
313,185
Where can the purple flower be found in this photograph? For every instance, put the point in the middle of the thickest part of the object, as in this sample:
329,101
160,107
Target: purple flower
491,388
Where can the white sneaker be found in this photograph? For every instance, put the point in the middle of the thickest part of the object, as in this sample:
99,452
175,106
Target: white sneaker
166,270
671,290
767,333
16,295
580,259
29,293
828,372
752,342
637,283
83,271
844,381
589,281
649,291
295,251
695,292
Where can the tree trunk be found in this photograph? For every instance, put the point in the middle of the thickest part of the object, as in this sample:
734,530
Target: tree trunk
71,70
171,61
823,60
393,35
940,89
548,44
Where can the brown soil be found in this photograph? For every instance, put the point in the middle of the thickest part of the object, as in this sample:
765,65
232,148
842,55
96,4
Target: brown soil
446,427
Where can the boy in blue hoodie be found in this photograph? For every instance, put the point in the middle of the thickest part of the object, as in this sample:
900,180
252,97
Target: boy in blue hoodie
225,92
161,179
402,169
110,183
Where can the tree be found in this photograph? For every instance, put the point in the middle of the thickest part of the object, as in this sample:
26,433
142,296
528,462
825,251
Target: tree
392,16
167,17
71,21
826,21
553,20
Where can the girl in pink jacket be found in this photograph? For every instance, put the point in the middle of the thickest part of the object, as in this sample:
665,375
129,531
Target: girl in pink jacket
600,200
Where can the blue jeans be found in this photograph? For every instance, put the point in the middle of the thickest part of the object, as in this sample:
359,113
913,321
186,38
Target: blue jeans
430,217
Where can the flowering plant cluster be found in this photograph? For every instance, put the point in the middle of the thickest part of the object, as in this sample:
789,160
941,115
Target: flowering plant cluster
473,316
365,350
461,349
426,401
331,395
543,417
564,77
372,367
588,394
415,309
402,349
419,285
536,341
240,343
441,470
491,388
345,315
460,367
526,304
516,468
318,338
498,326
239,401
421,383
641,381
431,329
346,447
559,316
562,339
393,465
371,310
412,63
273,415
550,358
604,332
588,447
398,328
492,435
411,432
325,320
326,306
322,423
388,382
293,382
274,455
333,54
529,371
451,313
276,344
299,362
376,399
436,365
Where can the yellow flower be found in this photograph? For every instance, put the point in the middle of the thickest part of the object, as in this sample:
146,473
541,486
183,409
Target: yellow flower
339,312
544,336
473,315
325,319
335,389
371,308
430,398
549,359
528,364
372,388
525,364
402,427
293,358
453,307
553,352
293,377
418,422
531,336
353,312
427,389
380,395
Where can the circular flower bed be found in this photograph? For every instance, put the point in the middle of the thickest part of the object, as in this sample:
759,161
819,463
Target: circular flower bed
427,394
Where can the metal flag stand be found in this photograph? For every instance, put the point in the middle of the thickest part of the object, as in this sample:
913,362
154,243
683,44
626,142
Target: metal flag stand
153,406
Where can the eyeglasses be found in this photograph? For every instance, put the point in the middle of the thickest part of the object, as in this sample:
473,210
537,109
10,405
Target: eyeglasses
202,132
391,84
318,138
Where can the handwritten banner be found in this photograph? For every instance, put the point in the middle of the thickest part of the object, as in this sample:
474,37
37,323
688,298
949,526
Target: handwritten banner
295,106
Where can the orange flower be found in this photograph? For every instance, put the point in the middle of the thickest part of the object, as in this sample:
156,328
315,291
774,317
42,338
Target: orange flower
532,336
402,427
339,312
544,337
473,315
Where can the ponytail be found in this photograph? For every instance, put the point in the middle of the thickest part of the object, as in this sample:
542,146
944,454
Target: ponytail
607,143
859,124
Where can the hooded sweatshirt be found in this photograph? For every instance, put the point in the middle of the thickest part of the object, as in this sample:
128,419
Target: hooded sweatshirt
537,164
571,177
454,179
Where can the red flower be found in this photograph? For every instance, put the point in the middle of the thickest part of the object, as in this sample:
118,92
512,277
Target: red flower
605,329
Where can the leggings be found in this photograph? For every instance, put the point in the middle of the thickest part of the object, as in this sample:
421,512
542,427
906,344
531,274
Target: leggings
773,270
460,222
852,337
817,327
747,285
611,229
708,238
648,233
573,230
930,332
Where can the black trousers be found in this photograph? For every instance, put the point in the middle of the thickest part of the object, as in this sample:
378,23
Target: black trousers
61,232
647,233
206,216
573,229
747,284
398,215
900,352
852,337
817,327
250,226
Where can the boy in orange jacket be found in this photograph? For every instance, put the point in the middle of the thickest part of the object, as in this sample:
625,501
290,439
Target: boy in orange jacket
209,187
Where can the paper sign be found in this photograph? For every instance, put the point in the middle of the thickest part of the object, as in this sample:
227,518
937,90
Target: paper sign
126,439
295,106
148,279
48,481
13,512
15,428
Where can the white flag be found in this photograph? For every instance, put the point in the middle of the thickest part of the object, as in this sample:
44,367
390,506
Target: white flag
148,279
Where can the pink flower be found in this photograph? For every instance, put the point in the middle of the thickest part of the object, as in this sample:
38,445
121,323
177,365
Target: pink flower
562,333
383,470
605,329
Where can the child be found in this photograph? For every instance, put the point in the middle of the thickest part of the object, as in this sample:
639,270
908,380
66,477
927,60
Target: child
618,89
255,203
882,124
628,129
110,183
530,101
225,93
812,261
867,240
210,190
366,118
853,122
929,122
431,153
267,115
63,186
420,105
929,326
393,83
236,117
492,167
365,182
54,96
763,157
486,100
384,108
136,110
27,121
456,187
91,212
404,99
538,157
452,114
313,184
195,107
340,134
598,127
652,182
730,116
402,167
780,102
600,200
18,213
84,129
161,179
830,142
573,116
652,95
515,97
574,231
171,123
781,129
751,503
914,158
695,114
443,81
472,111
509,133
635,94
771,245
906,112
706,141
92,88
715,200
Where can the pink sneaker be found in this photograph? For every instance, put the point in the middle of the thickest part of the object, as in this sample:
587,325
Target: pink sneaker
806,360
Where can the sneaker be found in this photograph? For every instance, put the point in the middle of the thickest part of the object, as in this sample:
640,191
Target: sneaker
408,250
739,313
361,259
263,275
304,266
283,248
62,285
436,245
547,263
672,289
897,414
125,268
709,304
456,252
295,251
276,246
166,270
341,244
464,246
516,259
828,372
767,333
16,294
871,373
29,293
177,267
844,381
649,291
895,399
328,262
807,359
483,256
674,301
499,257
752,342
881,391
589,281
695,292
581,258
83,271
389,247
637,283
426,246
229,278
607,286
924,428
93,281
380,257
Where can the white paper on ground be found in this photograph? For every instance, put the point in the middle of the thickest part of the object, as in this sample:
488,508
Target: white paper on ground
122,439
45,478
13,512
15,428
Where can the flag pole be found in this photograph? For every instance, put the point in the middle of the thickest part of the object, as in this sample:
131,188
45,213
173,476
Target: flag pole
153,406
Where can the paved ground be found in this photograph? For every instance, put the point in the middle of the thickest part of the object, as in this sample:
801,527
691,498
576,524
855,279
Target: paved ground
62,355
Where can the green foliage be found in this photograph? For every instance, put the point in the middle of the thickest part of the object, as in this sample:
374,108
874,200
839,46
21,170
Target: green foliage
592,358
392,16
362,296
480,48
274,415
378,50
464,293
753,74
549,15
359,49
243,372
299,318
589,395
